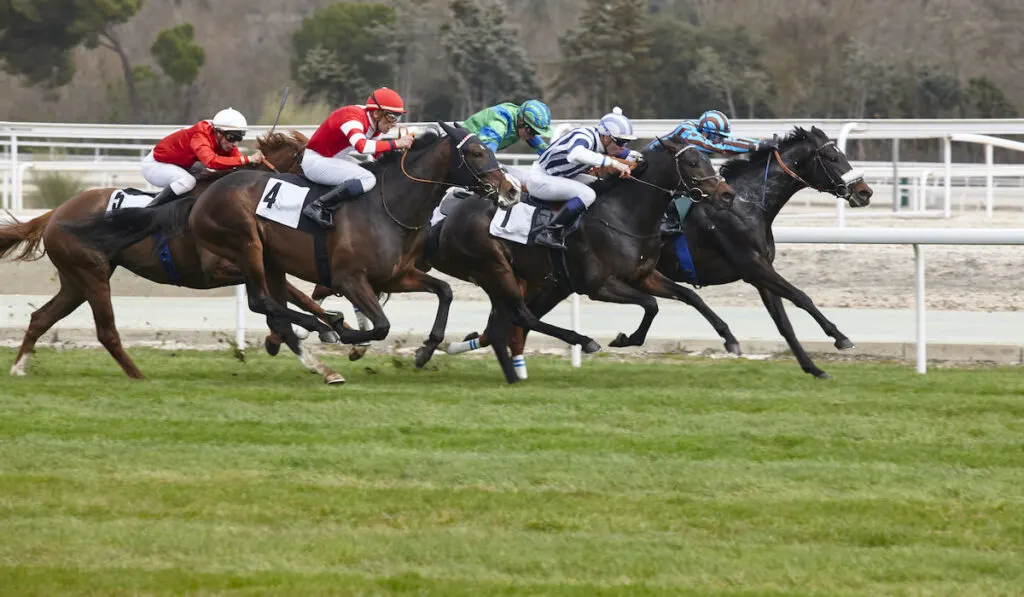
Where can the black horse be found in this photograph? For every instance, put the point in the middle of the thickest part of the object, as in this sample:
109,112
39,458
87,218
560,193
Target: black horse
612,258
737,243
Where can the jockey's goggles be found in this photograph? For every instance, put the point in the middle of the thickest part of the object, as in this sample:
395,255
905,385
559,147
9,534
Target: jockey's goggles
392,117
233,136
621,142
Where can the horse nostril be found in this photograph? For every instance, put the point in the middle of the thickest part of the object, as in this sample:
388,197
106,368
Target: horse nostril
728,196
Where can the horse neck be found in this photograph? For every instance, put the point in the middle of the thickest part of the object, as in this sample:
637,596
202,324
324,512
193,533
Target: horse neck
641,204
769,195
413,204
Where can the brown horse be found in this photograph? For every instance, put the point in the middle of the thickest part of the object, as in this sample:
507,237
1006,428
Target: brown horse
612,258
373,247
84,271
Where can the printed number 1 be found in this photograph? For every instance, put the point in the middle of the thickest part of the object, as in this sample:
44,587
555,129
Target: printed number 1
118,200
271,195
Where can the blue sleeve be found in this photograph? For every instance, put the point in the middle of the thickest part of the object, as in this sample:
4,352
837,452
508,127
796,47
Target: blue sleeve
623,154
537,143
490,137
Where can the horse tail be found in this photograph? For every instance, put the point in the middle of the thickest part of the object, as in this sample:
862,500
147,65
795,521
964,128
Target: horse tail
113,232
28,235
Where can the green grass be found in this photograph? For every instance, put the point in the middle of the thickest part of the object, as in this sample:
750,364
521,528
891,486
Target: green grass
677,477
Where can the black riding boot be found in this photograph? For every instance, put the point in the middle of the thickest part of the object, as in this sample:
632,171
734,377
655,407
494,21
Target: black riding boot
321,210
166,195
553,235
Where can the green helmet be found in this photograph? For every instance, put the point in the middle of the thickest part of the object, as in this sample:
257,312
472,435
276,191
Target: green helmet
536,114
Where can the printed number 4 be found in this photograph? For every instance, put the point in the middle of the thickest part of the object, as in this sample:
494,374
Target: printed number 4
271,195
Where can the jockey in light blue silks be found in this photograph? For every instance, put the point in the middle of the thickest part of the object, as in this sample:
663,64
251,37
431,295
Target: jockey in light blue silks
712,133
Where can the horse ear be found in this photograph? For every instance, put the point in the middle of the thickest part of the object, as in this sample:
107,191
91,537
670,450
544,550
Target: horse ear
448,129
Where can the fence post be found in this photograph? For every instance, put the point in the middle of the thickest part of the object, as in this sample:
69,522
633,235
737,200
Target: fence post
15,199
922,342
240,309
989,190
947,157
895,175
577,350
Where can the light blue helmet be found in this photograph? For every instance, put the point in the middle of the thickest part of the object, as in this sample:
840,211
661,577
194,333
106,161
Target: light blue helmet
614,124
714,122
536,114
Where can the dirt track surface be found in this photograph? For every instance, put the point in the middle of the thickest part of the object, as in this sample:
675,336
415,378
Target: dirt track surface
966,278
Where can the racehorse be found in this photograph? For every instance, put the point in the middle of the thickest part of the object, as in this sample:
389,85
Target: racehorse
84,271
612,258
737,244
373,247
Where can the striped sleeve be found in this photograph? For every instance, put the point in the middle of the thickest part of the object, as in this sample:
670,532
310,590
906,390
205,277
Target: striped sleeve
353,130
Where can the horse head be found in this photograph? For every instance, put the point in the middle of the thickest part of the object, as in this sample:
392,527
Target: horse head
814,159
696,174
283,151
475,167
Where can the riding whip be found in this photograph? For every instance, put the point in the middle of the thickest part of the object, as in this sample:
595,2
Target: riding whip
281,109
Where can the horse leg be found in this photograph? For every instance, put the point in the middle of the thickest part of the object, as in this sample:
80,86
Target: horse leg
279,289
98,295
359,350
773,303
660,285
416,281
499,324
60,306
517,344
361,294
615,290
767,278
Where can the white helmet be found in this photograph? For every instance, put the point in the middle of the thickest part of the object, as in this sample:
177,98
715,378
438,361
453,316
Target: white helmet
614,124
230,120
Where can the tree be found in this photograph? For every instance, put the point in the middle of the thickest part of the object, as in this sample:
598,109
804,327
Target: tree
339,50
984,99
485,55
606,58
37,37
180,59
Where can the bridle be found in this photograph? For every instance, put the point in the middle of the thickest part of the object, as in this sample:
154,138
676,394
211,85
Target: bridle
480,187
691,190
839,186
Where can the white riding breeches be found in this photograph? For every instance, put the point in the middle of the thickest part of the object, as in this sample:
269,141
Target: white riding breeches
557,188
162,175
336,170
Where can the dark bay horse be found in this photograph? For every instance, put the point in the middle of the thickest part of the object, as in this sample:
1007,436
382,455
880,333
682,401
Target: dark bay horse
84,271
373,248
612,258
737,244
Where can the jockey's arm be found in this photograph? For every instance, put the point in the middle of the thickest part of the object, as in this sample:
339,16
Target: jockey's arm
582,155
491,135
353,129
537,143
204,152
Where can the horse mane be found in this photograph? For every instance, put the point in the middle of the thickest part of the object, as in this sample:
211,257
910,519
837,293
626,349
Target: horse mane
273,141
737,165
428,139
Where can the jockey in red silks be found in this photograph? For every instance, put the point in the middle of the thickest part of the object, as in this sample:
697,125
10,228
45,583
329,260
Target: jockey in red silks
350,129
214,143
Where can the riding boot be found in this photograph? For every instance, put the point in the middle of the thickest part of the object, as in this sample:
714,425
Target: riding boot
553,235
166,195
321,209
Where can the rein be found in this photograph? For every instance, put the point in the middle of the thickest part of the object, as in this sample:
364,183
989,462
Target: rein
487,188
682,180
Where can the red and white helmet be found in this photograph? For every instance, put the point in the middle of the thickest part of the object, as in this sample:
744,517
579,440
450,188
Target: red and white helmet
385,99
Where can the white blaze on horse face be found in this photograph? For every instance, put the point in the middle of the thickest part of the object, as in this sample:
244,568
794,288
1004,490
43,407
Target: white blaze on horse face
853,176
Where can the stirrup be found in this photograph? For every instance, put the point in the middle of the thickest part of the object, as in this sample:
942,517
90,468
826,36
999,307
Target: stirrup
550,238
320,215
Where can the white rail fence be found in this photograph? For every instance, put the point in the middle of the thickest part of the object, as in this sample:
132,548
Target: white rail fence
15,137
917,237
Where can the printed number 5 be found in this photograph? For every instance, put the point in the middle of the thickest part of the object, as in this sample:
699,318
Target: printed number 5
118,200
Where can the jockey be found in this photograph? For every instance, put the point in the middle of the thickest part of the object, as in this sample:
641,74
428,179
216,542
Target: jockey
214,143
711,134
501,126
350,129
560,172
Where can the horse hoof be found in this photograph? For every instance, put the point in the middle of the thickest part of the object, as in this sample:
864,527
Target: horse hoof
845,344
334,379
358,351
330,337
591,347
300,332
471,336
733,348
335,318
271,346
822,375
619,341
423,355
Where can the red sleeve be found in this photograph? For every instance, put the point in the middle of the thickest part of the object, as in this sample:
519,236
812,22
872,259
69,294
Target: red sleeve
356,134
388,145
202,146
